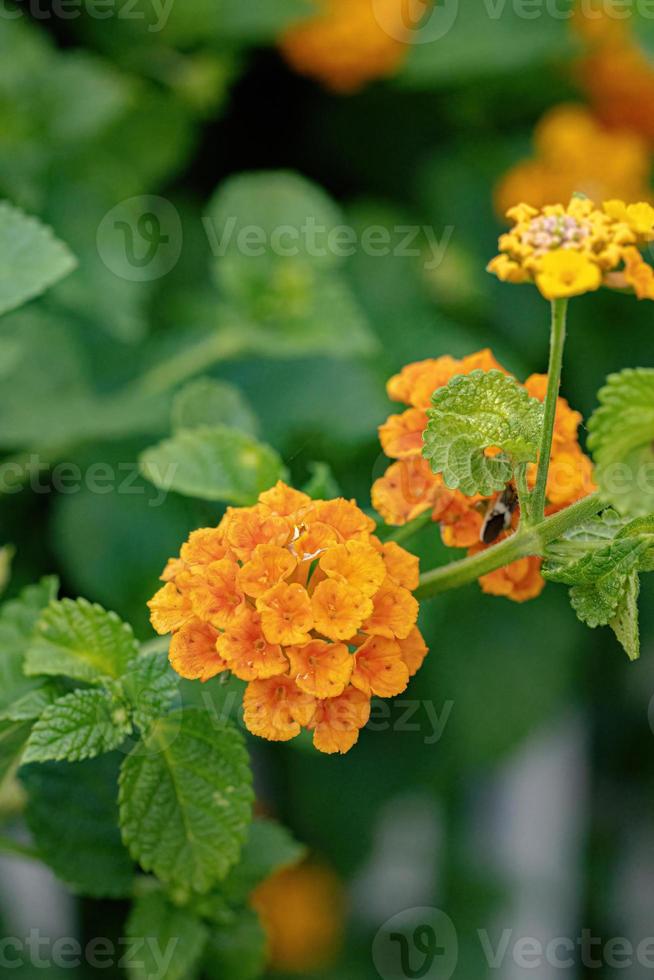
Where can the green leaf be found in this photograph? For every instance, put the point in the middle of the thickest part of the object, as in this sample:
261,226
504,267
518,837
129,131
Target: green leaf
13,738
18,619
622,440
592,535
598,580
237,950
322,484
476,412
151,685
625,621
30,705
186,800
78,726
167,942
269,848
458,43
206,401
73,817
31,258
213,463
80,640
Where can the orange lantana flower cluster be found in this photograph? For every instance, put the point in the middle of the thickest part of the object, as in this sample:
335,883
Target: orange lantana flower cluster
409,488
299,598
348,43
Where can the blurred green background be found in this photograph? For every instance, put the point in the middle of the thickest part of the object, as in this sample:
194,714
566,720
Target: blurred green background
530,809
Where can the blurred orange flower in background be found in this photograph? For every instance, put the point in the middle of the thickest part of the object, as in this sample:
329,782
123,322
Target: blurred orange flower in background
302,910
576,153
348,43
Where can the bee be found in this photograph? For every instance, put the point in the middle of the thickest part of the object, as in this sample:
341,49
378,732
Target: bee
498,516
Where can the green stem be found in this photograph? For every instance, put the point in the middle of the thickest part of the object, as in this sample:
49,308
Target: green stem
523,492
528,541
168,374
557,343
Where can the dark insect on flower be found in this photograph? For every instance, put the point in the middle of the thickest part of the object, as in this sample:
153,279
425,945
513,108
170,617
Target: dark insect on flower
498,516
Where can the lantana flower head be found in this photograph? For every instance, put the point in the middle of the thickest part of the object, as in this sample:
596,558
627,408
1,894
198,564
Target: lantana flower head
348,43
567,251
300,599
409,488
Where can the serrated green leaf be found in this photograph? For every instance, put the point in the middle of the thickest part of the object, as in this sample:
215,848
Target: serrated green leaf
30,705
73,817
78,726
151,685
18,619
207,401
592,535
476,412
625,622
186,800
598,580
237,951
213,463
622,440
269,848
31,258
78,639
167,942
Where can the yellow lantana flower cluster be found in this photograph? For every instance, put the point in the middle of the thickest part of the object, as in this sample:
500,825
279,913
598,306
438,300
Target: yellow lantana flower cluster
409,488
299,598
574,152
348,43
576,249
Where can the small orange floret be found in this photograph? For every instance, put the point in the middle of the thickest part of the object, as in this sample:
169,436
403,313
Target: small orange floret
268,565
216,595
342,515
247,652
321,669
406,490
247,527
380,668
276,709
401,435
413,650
520,581
395,612
338,609
283,500
337,721
204,546
169,609
401,566
286,615
193,652
355,564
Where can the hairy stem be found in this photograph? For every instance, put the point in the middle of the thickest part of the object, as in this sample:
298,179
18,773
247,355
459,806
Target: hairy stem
557,343
531,540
